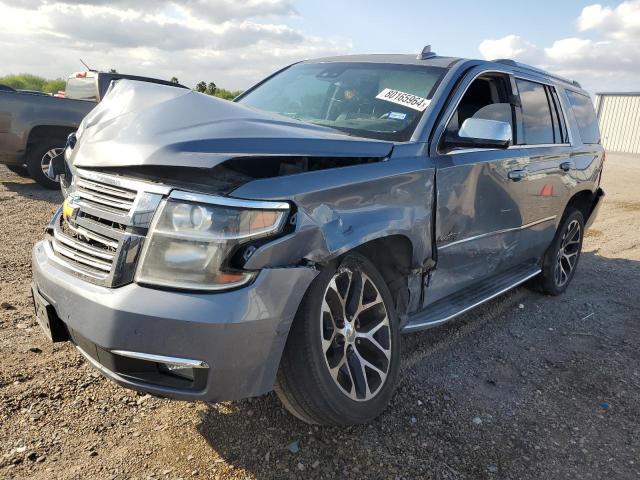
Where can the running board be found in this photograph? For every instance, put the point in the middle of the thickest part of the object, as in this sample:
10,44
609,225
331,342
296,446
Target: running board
458,303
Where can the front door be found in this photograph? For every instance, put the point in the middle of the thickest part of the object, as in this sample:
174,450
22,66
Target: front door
479,208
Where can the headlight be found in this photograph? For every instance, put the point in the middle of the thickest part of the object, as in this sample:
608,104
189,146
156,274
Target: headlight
190,242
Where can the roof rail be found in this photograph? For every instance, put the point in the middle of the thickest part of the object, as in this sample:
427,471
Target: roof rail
426,53
506,61
513,63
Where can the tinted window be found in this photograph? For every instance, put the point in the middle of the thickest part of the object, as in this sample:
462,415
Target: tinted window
585,116
560,133
81,88
537,125
350,96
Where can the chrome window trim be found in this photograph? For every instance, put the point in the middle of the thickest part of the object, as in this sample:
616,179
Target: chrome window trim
496,232
228,201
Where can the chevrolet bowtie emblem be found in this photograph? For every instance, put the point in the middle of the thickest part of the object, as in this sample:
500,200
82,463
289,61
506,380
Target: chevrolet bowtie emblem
70,208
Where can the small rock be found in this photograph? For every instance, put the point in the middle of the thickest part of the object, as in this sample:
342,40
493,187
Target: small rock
414,420
267,456
189,457
477,421
294,447
21,449
492,469
35,350
22,326
32,456
41,459
315,464
93,453
521,306
300,466
419,402
194,473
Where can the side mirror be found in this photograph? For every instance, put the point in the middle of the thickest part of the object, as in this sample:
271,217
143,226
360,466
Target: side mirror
480,133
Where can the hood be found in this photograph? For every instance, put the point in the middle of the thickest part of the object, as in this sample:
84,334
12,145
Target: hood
141,123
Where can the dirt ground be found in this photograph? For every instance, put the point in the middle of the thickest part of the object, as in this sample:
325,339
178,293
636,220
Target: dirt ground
527,386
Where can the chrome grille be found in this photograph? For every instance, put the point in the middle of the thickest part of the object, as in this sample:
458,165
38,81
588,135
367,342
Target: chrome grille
101,196
101,240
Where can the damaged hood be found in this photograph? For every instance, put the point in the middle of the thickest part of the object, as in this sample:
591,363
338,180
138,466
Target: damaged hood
141,123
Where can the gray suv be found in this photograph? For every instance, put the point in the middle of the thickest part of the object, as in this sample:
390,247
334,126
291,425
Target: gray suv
213,250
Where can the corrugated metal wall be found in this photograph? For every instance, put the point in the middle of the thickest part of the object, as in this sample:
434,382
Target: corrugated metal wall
619,119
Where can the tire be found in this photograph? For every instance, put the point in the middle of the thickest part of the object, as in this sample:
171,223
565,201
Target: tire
561,259
337,368
36,159
19,170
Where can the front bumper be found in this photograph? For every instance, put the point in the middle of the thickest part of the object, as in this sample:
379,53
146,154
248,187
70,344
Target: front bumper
239,335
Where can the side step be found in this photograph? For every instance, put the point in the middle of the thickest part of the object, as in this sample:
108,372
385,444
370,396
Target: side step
458,303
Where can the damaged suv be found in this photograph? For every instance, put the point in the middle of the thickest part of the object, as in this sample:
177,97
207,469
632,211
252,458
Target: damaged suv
213,250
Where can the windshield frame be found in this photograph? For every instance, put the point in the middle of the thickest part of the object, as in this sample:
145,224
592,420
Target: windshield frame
399,136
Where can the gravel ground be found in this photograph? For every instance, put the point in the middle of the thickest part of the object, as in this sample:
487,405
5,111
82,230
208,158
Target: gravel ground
526,386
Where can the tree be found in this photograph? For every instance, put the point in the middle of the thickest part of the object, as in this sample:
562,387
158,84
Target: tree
211,88
201,87
174,80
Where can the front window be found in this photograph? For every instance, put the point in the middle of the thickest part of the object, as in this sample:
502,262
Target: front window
383,101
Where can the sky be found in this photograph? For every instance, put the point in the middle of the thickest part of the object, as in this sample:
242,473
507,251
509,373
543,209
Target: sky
235,43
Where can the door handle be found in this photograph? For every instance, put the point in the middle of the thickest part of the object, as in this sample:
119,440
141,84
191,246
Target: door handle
517,175
566,166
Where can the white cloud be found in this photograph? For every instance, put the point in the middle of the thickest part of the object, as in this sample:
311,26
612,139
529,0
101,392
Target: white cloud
228,41
607,58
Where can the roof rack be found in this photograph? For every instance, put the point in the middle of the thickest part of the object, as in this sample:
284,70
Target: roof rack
513,63
426,53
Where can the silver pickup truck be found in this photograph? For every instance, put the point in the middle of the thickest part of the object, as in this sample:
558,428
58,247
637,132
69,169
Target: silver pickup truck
34,127
212,250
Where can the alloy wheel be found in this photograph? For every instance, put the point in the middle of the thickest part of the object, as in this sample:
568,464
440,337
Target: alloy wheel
568,253
46,160
356,336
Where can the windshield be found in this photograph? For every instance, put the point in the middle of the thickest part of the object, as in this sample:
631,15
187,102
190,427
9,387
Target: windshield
383,101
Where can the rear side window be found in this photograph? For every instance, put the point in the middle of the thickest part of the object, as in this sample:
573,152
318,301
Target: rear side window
585,116
537,124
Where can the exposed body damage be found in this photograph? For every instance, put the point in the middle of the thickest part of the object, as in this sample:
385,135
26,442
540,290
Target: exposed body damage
207,250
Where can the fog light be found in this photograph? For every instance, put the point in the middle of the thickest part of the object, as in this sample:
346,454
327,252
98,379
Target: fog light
177,370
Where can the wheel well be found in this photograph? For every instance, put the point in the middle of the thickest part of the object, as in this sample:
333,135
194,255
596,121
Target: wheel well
582,201
392,257
42,132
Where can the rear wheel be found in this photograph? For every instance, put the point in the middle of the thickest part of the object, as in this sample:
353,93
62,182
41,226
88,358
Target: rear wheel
561,260
19,170
341,361
38,159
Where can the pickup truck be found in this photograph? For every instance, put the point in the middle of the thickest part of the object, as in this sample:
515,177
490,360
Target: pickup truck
211,250
34,126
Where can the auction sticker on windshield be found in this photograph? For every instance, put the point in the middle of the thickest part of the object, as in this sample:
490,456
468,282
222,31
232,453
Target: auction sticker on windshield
401,98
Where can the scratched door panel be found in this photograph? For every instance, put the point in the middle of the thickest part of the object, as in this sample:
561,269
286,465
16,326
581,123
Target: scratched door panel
478,219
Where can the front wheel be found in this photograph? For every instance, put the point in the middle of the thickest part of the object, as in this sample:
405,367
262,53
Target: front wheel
341,360
561,259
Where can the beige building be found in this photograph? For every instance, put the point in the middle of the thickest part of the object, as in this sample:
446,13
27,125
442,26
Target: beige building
619,119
